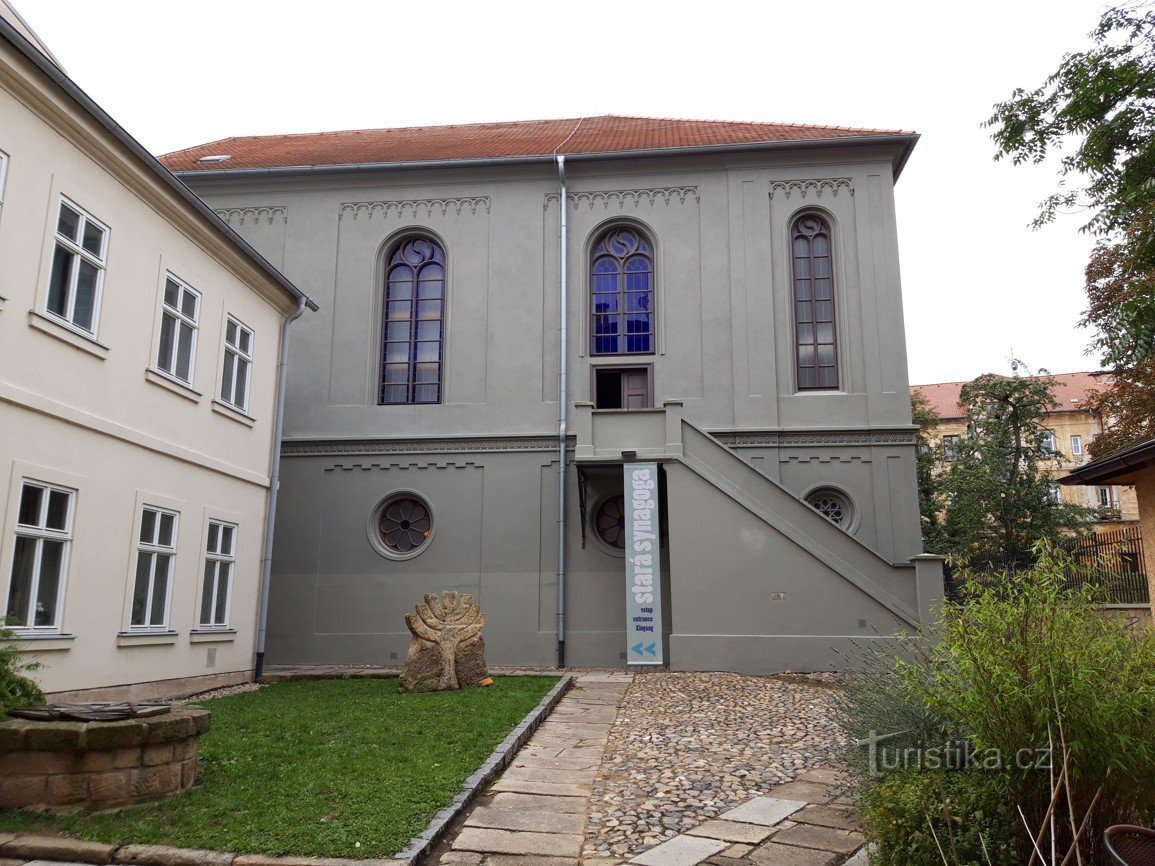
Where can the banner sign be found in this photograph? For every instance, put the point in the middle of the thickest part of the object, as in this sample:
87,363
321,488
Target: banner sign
643,566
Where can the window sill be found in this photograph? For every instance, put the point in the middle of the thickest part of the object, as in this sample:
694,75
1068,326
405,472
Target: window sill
36,642
175,385
146,638
209,635
228,411
64,333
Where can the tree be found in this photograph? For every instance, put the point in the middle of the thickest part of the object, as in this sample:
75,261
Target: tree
1098,110
1000,498
928,472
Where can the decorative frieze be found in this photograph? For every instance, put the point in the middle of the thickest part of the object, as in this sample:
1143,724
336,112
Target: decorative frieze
266,214
620,198
426,207
374,447
812,186
786,439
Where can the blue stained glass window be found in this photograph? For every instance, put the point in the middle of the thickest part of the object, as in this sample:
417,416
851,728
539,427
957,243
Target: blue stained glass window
411,357
622,294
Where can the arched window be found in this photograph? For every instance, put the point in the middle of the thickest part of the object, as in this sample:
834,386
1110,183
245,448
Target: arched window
814,332
622,294
414,323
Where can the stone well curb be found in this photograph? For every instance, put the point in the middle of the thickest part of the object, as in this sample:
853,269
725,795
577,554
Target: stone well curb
423,842
32,847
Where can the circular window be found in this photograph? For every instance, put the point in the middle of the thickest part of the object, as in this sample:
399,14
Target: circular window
401,526
610,522
833,505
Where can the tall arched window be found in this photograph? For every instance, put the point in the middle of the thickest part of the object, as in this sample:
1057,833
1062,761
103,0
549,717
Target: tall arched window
414,322
814,331
622,294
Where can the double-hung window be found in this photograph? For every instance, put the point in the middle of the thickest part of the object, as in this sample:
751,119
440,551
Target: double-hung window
78,261
1047,441
178,330
238,365
220,556
40,558
1076,446
155,554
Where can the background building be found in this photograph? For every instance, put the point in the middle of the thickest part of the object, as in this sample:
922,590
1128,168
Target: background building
1073,426
733,314
139,347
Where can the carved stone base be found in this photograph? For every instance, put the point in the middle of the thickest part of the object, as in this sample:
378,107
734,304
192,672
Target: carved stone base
423,665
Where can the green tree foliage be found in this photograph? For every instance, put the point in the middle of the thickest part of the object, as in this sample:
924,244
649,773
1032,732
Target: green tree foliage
16,690
928,469
1000,496
1098,110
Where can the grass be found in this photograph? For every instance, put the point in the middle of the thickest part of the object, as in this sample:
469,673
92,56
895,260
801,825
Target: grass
330,768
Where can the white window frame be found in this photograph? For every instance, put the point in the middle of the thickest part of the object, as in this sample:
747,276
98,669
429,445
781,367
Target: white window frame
1076,446
154,549
218,560
1047,442
79,253
1054,493
41,533
239,357
950,444
176,314
1107,493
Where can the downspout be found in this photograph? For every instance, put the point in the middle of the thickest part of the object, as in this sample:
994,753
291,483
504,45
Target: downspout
274,489
562,402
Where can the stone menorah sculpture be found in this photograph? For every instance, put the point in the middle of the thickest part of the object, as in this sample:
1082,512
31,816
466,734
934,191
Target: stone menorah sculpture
446,650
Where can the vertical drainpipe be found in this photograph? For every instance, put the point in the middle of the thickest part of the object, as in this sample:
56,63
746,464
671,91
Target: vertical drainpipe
274,489
562,402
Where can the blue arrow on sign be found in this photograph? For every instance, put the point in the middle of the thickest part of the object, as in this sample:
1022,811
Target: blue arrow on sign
637,649
650,649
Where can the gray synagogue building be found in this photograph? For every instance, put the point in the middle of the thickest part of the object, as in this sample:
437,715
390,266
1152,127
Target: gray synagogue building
638,385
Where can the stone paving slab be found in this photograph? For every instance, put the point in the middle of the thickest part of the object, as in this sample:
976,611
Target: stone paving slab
521,819
549,774
681,851
766,811
772,854
823,838
542,761
556,789
733,831
535,802
811,792
842,817
513,842
528,860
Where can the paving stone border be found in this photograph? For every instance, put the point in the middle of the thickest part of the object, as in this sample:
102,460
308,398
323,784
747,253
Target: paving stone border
423,842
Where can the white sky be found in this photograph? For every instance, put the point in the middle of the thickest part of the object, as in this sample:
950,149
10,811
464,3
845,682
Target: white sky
978,284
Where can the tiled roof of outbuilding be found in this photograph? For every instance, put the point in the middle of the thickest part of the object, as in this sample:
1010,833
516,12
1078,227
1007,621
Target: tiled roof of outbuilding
529,138
1070,391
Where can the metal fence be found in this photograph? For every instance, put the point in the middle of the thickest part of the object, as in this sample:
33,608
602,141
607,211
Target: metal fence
1111,560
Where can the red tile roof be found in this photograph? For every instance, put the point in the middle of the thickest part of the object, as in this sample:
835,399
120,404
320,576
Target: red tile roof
529,138
1070,392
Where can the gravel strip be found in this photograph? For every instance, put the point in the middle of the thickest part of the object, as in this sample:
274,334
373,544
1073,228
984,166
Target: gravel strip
226,691
686,747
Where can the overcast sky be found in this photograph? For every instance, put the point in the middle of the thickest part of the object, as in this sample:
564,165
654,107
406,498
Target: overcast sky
978,284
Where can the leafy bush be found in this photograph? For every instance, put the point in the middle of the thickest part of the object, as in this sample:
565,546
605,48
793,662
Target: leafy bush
16,690
1022,668
912,816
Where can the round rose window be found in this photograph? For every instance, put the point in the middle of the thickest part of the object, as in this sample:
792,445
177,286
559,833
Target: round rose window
610,522
833,506
404,524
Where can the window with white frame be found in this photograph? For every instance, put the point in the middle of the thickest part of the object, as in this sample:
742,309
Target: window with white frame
1076,446
1053,493
1106,500
220,556
78,261
178,329
40,556
237,365
1047,441
155,554
950,446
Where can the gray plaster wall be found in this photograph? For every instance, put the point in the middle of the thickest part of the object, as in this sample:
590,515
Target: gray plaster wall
719,226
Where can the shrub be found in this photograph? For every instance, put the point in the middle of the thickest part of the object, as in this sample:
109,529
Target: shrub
16,690
1022,663
912,816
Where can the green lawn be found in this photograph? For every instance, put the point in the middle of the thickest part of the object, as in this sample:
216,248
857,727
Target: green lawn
330,768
